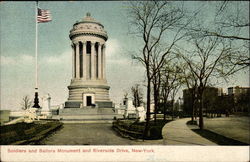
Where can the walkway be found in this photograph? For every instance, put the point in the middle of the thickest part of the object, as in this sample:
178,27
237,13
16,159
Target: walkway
91,134
178,133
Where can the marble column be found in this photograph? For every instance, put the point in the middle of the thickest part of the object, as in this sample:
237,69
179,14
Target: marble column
73,61
104,62
77,61
99,61
93,70
84,60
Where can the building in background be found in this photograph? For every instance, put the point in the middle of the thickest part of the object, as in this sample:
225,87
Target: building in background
241,97
236,91
216,102
210,97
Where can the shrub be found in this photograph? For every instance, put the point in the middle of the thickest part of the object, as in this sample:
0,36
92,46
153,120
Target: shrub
25,131
135,129
155,133
190,122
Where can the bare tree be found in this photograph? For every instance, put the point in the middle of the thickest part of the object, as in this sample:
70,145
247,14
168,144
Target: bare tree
175,84
165,88
231,23
26,103
227,32
125,94
171,81
192,85
209,59
137,95
157,75
151,21
232,18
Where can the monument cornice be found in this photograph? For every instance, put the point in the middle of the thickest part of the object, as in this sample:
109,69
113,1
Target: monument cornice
88,86
74,34
86,21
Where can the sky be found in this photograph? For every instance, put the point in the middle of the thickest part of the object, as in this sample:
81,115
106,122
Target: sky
17,49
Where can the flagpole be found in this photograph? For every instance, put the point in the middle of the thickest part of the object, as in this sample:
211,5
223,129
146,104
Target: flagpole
36,49
36,100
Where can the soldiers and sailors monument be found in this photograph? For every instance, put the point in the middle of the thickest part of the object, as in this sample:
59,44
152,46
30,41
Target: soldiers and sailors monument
88,87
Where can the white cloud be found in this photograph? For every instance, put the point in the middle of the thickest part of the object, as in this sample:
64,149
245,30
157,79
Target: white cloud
27,58
5,60
114,54
121,61
65,57
22,59
112,47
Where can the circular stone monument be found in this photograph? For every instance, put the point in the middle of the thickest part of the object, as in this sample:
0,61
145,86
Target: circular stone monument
88,87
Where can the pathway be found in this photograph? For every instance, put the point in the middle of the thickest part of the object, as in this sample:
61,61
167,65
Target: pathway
174,133
178,133
91,134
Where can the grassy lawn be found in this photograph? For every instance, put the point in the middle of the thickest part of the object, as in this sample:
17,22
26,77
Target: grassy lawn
234,127
217,138
220,135
25,133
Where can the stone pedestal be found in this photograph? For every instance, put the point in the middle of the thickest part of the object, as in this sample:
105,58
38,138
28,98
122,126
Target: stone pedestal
36,101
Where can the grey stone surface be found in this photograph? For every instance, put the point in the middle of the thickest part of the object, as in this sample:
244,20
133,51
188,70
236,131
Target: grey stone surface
107,104
92,134
100,132
87,114
85,117
70,104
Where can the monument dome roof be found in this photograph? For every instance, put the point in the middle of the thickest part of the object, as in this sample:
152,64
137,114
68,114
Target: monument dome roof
84,27
89,19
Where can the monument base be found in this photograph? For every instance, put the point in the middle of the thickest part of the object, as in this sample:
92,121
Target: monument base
87,114
72,104
105,104
98,104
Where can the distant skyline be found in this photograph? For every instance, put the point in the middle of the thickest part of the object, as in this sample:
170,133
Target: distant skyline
17,49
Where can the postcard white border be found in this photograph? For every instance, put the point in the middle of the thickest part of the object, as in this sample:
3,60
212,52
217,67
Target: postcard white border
151,153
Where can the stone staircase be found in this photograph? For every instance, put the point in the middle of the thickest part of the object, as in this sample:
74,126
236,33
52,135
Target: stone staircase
86,114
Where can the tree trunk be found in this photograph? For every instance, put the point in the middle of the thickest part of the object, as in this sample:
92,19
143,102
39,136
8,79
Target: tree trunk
172,103
193,111
164,109
148,110
156,85
193,105
155,102
192,117
201,124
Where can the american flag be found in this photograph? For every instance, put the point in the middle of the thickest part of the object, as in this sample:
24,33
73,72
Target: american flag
43,16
